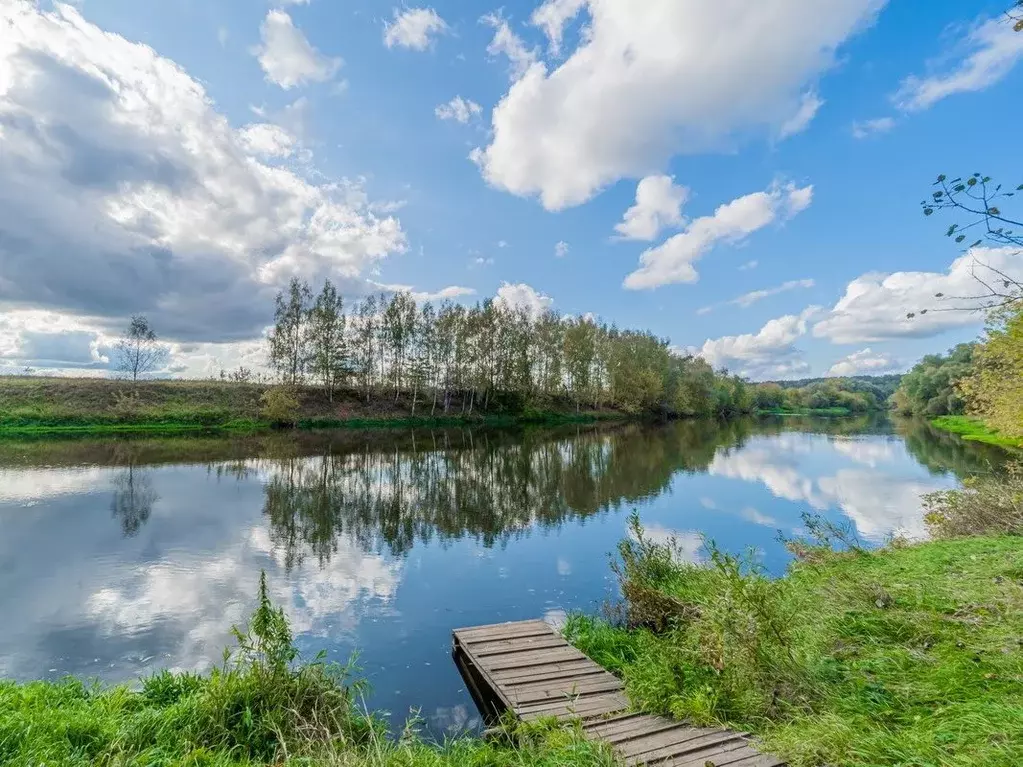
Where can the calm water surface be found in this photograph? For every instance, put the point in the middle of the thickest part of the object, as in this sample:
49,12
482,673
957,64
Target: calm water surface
121,557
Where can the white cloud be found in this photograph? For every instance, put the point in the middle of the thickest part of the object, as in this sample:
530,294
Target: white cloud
749,265
458,109
865,361
862,129
747,300
561,249
509,44
287,57
801,120
993,48
875,306
687,545
658,205
758,518
414,28
652,79
522,296
766,353
452,291
552,17
115,154
672,261
266,140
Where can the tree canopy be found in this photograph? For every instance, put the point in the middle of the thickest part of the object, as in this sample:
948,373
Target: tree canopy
929,389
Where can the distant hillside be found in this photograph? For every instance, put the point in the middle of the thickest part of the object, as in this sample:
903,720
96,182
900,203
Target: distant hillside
881,386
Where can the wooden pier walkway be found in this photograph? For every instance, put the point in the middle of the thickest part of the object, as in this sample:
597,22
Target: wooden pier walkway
529,669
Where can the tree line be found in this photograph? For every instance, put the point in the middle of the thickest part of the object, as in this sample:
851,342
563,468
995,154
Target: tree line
486,357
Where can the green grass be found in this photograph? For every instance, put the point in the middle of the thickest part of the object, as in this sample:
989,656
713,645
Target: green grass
31,406
263,706
975,430
821,411
905,656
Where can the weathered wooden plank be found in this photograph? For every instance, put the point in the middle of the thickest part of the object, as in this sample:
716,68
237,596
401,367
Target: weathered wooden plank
565,683
676,741
560,692
512,676
557,676
693,752
502,631
515,644
730,755
530,658
576,708
620,732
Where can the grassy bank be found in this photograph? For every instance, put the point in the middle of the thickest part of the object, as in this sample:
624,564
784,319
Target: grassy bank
39,406
909,655
975,430
261,707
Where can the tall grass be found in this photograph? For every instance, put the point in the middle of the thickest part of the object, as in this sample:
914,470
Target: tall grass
909,655
261,706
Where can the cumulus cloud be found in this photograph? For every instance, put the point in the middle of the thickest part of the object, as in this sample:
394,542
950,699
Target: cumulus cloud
287,57
552,17
875,306
672,261
864,362
749,265
43,339
767,353
266,140
522,296
747,300
801,120
991,50
414,28
862,129
653,79
507,43
561,249
658,205
458,109
125,191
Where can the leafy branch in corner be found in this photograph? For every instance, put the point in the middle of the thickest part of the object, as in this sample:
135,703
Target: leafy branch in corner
983,204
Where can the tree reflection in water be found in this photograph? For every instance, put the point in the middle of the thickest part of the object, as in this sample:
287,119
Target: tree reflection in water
488,486
134,498
389,490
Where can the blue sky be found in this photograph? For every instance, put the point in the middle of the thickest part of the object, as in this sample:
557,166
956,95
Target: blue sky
260,140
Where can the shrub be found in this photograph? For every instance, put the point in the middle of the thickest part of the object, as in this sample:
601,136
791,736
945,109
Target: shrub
280,405
987,505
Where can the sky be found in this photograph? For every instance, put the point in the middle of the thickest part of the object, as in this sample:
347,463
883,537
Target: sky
742,178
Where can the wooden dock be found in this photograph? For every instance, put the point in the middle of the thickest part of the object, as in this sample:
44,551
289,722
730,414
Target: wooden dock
529,669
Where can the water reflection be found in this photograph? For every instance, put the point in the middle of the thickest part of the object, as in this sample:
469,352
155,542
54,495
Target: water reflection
134,497
384,542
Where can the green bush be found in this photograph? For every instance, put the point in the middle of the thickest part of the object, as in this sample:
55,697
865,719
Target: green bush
280,405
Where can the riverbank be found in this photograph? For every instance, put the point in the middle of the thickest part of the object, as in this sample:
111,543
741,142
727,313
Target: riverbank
975,430
904,655
38,406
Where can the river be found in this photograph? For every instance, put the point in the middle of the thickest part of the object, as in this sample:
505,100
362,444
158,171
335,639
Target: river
120,557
